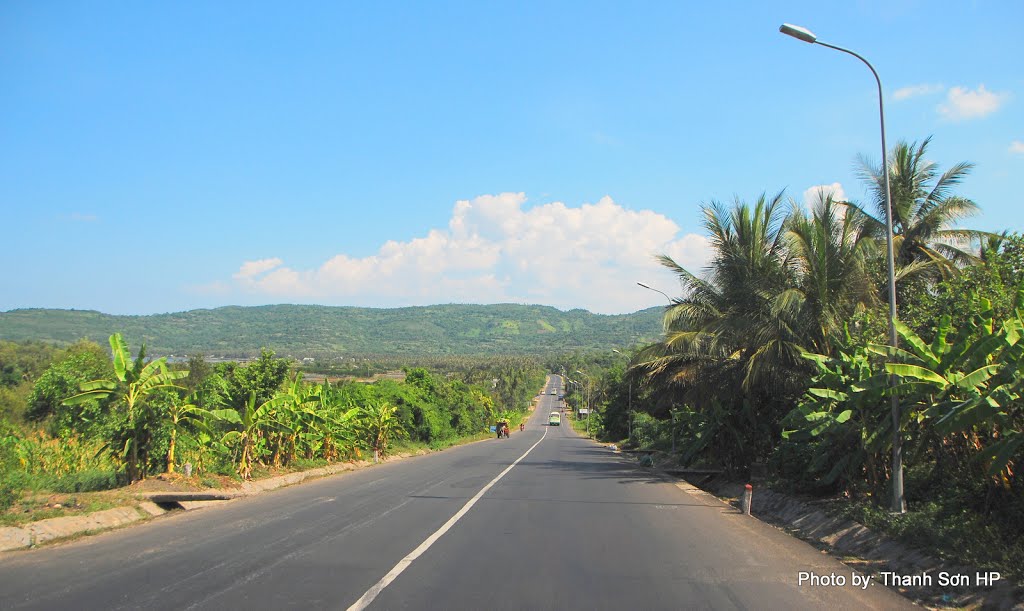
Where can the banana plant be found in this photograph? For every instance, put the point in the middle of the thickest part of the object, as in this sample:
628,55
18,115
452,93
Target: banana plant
944,373
381,426
997,409
249,425
179,413
844,415
132,384
968,386
336,422
207,442
190,412
302,412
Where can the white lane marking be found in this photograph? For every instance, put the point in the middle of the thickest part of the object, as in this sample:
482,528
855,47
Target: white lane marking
367,598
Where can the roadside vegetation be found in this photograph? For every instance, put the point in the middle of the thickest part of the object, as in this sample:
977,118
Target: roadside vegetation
775,360
82,419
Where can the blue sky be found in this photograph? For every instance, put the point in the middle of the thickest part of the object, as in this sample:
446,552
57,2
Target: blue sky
164,157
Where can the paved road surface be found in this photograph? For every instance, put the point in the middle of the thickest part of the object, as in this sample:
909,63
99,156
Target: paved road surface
570,526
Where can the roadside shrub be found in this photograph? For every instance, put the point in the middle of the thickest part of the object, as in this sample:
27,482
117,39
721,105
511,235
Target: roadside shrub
649,432
89,480
596,425
791,463
13,483
9,495
40,454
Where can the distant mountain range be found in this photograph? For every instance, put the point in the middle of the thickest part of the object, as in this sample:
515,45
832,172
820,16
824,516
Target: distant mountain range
331,332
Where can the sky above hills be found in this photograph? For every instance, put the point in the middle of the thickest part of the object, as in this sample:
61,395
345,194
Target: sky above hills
163,157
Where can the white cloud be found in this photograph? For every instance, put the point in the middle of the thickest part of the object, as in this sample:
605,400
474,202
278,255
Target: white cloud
1017,147
962,103
496,250
250,269
913,91
816,193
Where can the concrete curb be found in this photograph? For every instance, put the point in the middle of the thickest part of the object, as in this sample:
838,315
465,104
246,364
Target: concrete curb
13,537
35,533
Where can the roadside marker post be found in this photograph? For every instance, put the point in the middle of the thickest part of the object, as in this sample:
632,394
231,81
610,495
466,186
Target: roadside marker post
748,494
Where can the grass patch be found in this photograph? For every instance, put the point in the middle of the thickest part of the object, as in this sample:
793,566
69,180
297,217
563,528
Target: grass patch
87,480
209,481
580,426
305,464
41,507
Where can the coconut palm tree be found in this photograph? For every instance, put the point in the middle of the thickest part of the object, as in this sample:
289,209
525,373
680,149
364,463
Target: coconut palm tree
777,286
732,315
924,209
991,244
726,347
829,250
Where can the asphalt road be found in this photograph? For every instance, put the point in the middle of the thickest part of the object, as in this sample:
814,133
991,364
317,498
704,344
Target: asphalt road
571,525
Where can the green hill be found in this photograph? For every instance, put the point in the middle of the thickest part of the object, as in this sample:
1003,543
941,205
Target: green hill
330,332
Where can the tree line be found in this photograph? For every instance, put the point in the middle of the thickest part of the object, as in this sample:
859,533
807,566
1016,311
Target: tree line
84,418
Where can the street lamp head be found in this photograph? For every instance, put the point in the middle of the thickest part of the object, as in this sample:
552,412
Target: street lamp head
798,32
651,288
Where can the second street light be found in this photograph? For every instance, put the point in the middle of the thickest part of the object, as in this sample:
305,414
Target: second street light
579,401
589,406
898,503
651,288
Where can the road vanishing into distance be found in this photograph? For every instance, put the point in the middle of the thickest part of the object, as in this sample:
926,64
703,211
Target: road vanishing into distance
543,520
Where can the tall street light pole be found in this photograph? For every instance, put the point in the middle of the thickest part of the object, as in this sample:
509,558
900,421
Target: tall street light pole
671,411
575,385
899,504
580,399
589,406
